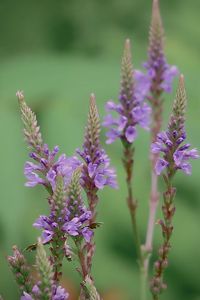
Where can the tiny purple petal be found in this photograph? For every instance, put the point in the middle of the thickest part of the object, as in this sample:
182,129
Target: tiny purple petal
131,134
91,169
161,164
60,294
87,234
26,296
100,181
112,135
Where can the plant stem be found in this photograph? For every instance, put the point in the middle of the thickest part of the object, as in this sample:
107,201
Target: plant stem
132,205
92,201
156,103
128,162
168,209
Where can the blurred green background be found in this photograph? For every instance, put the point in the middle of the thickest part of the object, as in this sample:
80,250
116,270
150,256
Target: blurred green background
59,52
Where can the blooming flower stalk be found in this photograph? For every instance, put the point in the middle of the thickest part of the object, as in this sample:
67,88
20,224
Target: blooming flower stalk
132,112
157,80
81,216
69,217
45,168
96,172
46,288
175,156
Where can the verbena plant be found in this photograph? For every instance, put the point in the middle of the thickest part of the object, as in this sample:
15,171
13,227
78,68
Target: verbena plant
68,231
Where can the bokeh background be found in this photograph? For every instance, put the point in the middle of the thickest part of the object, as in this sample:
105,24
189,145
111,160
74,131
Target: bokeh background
59,52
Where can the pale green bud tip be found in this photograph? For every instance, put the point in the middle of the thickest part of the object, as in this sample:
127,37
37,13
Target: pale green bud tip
45,270
127,46
42,260
156,28
181,98
92,99
93,127
74,188
127,51
156,11
20,95
93,112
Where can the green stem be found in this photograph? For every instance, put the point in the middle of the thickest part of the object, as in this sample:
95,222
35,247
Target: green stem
128,162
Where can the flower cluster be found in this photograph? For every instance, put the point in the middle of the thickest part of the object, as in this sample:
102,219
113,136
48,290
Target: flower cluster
176,155
45,170
131,110
72,226
57,293
69,217
159,74
97,172
170,145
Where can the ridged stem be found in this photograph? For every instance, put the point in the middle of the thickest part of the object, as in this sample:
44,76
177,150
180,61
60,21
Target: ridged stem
128,161
157,107
168,209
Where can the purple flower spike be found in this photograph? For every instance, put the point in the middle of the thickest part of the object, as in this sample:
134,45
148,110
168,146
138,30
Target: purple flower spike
77,217
97,172
175,155
159,75
132,111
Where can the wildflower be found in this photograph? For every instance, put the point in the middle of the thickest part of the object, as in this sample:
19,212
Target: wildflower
131,111
159,74
45,170
170,143
175,156
69,218
97,172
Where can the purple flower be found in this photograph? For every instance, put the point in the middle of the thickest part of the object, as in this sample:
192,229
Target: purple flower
158,75
131,111
181,157
169,144
161,164
87,234
150,76
45,170
26,296
173,152
72,226
99,173
130,134
59,293
48,225
78,225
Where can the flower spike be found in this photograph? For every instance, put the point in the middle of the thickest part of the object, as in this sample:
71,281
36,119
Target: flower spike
169,143
31,128
175,156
